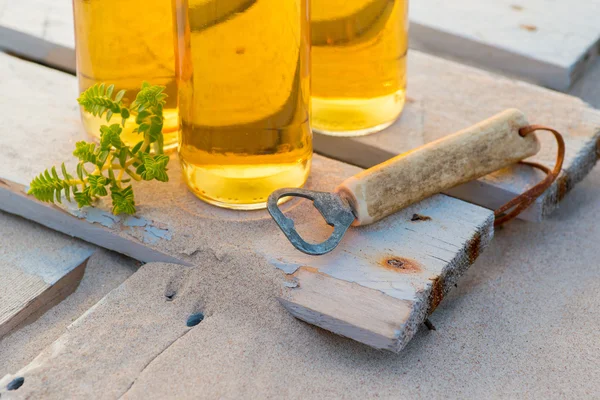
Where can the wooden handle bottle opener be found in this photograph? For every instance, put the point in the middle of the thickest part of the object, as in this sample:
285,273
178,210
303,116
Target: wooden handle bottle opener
413,176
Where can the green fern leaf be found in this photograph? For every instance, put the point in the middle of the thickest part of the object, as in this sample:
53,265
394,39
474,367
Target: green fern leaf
86,152
123,201
111,136
97,185
154,167
97,100
83,198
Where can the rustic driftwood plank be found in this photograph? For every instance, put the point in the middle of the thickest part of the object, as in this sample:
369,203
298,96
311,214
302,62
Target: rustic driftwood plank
39,30
38,269
548,43
117,338
445,97
90,224
385,278
173,222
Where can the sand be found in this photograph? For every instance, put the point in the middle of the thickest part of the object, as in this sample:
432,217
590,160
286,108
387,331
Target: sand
523,323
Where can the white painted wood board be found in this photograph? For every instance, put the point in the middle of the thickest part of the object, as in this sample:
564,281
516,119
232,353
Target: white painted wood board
173,223
38,269
39,30
444,97
386,278
550,43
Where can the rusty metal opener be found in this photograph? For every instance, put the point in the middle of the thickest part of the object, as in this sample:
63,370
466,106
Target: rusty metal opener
386,188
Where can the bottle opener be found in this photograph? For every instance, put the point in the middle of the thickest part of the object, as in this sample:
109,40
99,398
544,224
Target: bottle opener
386,188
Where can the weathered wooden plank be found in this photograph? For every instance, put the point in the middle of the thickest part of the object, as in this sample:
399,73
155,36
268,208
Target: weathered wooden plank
548,43
91,224
173,222
384,280
39,268
118,338
39,30
445,97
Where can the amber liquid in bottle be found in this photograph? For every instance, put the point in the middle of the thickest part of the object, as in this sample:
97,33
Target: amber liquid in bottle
243,75
127,42
358,64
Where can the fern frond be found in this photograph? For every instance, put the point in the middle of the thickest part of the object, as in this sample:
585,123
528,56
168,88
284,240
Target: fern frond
86,152
148,97
98,99
123,201
48,186
154,167
112,158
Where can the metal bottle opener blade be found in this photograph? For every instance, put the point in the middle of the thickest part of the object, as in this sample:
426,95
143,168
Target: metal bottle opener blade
335,211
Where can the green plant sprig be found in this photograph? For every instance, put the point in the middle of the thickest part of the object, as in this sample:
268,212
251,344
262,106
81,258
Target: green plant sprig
111,164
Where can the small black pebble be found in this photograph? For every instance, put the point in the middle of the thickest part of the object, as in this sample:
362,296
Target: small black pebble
16,383
195,319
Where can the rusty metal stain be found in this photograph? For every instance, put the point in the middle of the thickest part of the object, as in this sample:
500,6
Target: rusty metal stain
419,217
400,264
473,247
527,27
562,187
437,293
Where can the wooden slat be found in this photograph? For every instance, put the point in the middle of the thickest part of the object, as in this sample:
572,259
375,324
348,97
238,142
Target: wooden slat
444,97
548,43
385,279
172,222
39,268
39,30
117,338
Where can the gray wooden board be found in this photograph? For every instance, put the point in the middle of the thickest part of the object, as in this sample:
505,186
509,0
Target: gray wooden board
444,97
173,223
123,332
38,269
547,42
39,30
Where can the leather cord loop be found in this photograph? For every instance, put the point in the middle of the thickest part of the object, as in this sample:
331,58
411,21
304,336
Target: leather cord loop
517,205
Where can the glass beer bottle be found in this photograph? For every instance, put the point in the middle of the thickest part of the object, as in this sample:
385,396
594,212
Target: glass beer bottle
244,97
126,43
358,64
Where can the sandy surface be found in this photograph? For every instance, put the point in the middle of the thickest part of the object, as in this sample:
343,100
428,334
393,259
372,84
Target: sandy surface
523,323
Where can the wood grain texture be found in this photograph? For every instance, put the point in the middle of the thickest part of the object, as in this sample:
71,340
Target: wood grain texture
549,43
444,97
39,30
173,222
388,276
469,154
91,225
39,268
